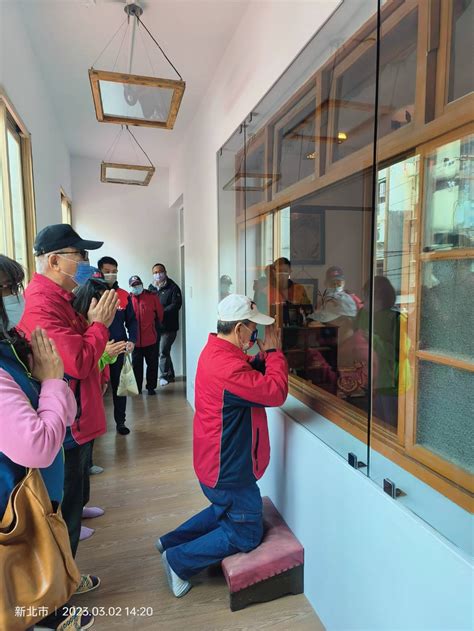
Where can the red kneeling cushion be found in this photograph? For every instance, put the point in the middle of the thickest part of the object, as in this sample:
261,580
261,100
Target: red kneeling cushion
279,551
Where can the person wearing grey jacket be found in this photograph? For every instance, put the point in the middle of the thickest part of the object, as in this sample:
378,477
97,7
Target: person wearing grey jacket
171,300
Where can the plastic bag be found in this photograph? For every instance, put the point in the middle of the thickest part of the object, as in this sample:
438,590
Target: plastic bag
127,385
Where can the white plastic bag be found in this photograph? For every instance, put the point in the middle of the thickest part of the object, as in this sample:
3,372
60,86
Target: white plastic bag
127,385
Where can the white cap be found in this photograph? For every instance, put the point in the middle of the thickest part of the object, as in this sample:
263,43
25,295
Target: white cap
235,308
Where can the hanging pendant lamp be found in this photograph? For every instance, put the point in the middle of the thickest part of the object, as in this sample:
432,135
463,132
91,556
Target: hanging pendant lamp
123,173
129,99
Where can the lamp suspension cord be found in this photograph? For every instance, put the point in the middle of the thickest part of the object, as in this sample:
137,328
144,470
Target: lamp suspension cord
164,54
113,145
143,150
109,42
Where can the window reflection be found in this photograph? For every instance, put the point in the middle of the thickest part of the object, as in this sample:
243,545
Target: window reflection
355,89
461,77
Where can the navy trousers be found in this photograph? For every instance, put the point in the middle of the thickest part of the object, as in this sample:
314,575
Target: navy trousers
232,523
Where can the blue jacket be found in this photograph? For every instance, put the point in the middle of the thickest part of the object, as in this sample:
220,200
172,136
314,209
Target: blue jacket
125,319
10,472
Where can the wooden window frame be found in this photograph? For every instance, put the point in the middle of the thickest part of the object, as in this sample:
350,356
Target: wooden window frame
418,257
302,99
442,105
8,117
67,201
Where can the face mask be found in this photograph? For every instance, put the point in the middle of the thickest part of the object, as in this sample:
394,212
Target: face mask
14,307
252,340
137,290
160,277
339,289
84,271
110,279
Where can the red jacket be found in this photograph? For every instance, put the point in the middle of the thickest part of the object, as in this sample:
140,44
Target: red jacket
148,311
231,446
80,345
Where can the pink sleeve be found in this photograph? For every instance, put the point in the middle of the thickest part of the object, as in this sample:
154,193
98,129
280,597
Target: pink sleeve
32,438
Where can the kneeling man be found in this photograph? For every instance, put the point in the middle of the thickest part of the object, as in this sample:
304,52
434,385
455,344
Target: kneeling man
231,446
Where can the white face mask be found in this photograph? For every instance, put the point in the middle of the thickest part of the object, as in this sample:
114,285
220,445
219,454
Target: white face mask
14,307
111,278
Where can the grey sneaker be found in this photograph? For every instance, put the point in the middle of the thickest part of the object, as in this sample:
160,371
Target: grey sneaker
176,584
95,470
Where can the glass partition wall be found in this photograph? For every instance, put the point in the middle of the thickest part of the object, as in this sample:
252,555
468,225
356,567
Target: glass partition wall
346,211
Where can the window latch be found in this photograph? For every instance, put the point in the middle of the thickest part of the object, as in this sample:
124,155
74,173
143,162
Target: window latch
354,461
391,489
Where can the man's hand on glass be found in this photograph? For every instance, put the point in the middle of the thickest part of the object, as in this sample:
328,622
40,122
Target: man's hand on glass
272,339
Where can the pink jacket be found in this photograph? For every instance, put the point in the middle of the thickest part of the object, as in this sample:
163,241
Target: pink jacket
32,438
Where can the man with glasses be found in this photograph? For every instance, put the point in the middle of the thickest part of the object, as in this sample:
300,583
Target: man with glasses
63,265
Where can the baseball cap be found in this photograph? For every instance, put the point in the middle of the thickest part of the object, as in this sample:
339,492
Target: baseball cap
334,272
236,307
134,280
59,236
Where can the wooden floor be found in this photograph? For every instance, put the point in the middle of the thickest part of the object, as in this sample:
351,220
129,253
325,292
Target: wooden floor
148,488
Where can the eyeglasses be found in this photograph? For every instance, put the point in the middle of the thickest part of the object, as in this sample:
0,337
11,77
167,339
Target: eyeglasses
84,253
15,288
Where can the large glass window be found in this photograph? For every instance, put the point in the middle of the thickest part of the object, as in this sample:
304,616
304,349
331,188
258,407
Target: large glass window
17,218
359,240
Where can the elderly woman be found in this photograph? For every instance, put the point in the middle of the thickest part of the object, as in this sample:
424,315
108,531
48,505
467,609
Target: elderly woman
36,406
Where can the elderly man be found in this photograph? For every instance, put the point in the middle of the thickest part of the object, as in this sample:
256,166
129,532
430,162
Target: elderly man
63,265
231,446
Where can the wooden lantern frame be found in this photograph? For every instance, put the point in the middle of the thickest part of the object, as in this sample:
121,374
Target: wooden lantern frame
95,76
131,167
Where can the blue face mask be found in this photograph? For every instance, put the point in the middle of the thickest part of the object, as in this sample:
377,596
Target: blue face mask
84,271
137,290
14,307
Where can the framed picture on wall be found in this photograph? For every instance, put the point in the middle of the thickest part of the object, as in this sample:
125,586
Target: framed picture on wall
307,235
311,288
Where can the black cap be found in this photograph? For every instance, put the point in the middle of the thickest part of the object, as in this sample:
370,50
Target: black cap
59,236
134,280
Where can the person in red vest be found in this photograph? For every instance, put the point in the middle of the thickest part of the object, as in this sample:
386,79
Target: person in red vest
149,314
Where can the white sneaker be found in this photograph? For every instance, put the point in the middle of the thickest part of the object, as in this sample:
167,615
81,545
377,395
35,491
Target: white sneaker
95,469
176,584
163,382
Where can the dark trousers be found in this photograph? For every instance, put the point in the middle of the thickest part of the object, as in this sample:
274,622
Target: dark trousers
120,403
232,523
165,342
76,489
150,354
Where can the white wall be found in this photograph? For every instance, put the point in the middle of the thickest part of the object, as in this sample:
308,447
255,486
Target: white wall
370,563
21,78
136,224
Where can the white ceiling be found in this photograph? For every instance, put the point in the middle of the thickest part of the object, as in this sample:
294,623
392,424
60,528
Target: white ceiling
68,35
